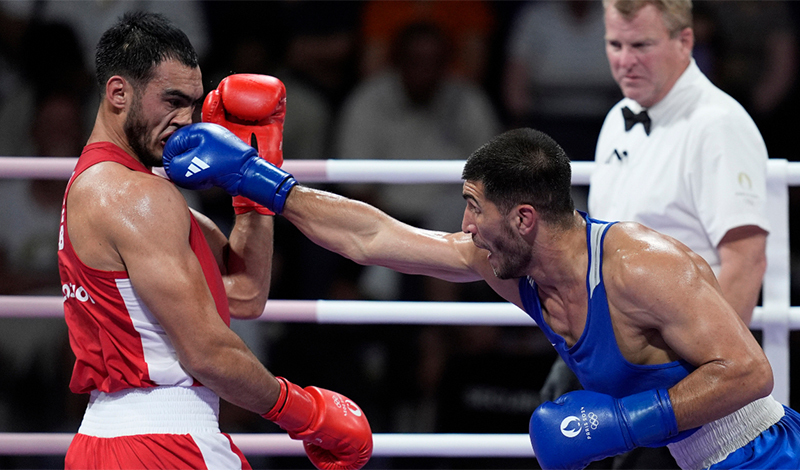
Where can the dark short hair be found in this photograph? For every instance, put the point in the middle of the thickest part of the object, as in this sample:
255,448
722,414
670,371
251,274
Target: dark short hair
137,44
524,166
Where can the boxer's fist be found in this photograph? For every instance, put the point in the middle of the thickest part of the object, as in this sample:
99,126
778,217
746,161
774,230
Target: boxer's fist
581,427
253,107
334,430
203,155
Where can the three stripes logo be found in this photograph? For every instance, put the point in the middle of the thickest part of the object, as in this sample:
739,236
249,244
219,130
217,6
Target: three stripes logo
195,167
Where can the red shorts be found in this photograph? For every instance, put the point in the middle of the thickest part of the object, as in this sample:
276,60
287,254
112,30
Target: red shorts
155,451
156,427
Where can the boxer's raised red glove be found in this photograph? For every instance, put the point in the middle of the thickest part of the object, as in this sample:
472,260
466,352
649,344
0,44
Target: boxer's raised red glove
334,430
253,107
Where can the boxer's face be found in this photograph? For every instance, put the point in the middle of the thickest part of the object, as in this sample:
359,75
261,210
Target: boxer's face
645,61
166,103
509,254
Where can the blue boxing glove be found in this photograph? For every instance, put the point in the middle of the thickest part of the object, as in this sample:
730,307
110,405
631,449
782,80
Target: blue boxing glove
581,427
203,155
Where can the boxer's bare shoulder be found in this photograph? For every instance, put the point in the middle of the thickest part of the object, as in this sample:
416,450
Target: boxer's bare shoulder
109,203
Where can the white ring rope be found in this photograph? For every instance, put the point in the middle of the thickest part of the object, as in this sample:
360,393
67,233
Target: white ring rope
371,312
339,171
776,318
307,171
278,444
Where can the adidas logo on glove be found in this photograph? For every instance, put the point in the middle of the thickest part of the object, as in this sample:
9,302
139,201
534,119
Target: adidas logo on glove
195,167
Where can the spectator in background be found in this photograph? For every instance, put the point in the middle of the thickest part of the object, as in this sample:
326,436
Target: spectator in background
757,53
90,19
468,25
415,110
28,239
556,74
43,115
756,62
46,60
322,48
11,31
36,349
311,49
319,68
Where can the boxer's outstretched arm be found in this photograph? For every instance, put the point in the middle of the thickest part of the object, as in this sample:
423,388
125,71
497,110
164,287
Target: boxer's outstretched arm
348,227
369,236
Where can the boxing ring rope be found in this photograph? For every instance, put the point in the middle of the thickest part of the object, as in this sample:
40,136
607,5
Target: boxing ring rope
776,317
360,312
280,444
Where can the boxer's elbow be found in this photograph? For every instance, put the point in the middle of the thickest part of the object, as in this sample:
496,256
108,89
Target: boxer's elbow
750,377
247,309
763,380
246,297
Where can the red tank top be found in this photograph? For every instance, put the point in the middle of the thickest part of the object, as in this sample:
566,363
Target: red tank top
117,341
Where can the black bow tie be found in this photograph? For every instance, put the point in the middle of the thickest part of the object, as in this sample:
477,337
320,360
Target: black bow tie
632,118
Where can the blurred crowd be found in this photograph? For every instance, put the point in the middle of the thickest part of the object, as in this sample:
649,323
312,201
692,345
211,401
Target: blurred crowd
371,79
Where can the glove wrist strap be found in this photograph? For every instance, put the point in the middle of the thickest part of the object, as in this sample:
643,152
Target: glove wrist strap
294,411
266,184
649,417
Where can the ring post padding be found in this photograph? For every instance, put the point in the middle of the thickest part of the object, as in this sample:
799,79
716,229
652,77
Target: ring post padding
776,291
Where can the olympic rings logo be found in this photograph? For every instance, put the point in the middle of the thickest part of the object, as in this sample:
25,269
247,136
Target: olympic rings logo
593,421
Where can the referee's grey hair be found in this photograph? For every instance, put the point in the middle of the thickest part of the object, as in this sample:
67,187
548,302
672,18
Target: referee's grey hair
677,14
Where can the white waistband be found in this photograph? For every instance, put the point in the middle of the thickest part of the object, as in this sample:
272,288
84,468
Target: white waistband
155,410
713,442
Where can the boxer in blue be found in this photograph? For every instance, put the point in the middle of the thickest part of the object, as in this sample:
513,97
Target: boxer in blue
632,312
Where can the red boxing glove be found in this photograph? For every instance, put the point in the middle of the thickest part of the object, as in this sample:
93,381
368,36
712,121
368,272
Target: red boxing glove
253,107
334,430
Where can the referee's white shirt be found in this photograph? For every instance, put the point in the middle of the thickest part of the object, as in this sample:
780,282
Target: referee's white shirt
700,172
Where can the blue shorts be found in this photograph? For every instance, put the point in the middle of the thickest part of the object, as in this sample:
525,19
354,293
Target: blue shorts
776,448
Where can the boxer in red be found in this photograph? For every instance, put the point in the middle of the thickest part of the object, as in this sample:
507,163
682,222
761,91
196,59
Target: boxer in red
150,285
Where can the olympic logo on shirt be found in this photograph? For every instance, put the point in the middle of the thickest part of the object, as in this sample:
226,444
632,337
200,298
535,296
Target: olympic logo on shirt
71,291
744,181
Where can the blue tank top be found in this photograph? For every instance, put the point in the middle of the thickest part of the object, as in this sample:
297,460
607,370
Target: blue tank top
595,358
